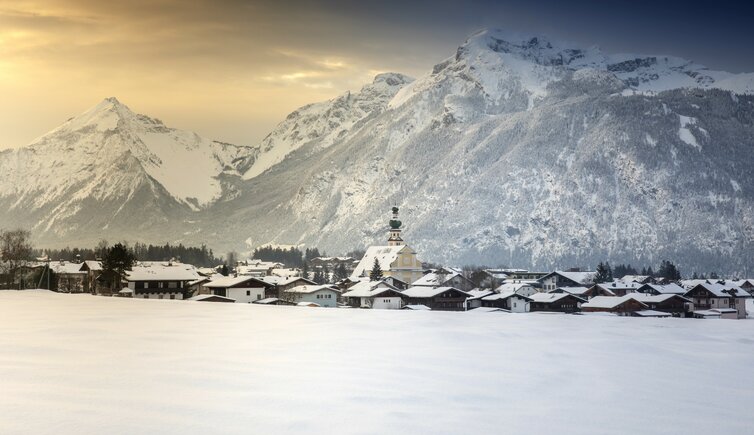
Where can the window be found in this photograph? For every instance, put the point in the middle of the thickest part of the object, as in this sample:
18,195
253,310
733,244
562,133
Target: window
172,296
248,292
161,296
259,296
172,284
146,296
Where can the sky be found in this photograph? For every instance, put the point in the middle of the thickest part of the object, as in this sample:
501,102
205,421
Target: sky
231,70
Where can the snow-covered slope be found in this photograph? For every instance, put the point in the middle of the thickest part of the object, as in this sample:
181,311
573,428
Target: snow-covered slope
326,122
79,364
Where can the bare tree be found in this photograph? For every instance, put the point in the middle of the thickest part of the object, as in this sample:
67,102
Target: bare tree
15,254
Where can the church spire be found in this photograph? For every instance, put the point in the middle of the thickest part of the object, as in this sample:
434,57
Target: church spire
395,230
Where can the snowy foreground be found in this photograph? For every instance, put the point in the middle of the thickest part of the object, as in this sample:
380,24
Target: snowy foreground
83,364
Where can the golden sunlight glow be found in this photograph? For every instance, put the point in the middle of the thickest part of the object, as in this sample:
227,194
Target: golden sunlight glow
229,72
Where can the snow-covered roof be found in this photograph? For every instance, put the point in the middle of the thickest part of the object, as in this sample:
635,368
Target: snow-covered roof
609,302
427,292
366,289
651,313
513,287
308,289
266,301
671,288
93,265
385,255
230,281
619,285
307,304
66,267
280,280
479,293
578,277
548,298
724,290
689,283
489,310
650,298
503,296
435,278
161,271
578,291
216,297
417,307
634,278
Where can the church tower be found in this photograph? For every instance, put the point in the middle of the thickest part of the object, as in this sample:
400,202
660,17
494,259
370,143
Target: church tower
395,230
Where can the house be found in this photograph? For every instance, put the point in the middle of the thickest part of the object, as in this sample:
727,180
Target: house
716,313
70,277
615,288
662,289
507,300
716,296
211,298
395,260
396,282
374,294
92,268
581,292
622,305
518,287
671,303
243,288
641,279
555,302
559,278
445,277
475,297
437,298
257,268
279,284
160,280
321,295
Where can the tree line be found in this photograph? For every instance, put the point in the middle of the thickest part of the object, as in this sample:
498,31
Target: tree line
198,256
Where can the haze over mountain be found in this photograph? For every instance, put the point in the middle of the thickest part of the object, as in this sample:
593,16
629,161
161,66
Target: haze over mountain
515,150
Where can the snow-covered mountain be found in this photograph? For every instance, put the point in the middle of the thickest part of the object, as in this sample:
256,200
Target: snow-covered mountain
516,150
110,165
523,151
326,122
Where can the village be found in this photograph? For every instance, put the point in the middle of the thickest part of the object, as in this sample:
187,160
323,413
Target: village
391,277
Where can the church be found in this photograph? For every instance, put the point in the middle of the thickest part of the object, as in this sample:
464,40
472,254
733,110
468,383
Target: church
396,260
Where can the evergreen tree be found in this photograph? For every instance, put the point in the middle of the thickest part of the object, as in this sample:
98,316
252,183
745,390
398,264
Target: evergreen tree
650,272
319,277
305,270
325,275
117,261
714,275
609,272
340,272
224,270
376,273
668,271
694,276
602,274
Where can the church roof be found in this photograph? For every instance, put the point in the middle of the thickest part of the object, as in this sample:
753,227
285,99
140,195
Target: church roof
386,255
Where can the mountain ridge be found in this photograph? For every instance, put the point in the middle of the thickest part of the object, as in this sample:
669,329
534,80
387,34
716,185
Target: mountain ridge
493,158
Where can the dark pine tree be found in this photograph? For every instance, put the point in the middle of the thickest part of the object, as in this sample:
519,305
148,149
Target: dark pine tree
376,273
